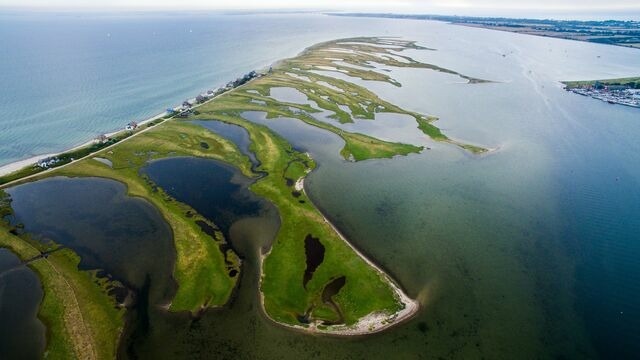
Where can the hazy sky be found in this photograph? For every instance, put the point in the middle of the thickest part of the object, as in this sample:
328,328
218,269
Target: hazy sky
398,6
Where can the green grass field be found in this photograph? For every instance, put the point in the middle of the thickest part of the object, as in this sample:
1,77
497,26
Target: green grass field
285,297
82,321
633,82
201,273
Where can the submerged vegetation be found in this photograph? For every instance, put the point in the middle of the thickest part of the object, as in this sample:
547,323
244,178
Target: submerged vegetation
332,292
318,74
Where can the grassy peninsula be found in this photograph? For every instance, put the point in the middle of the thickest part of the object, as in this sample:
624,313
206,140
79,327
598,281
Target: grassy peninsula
82,321
342,293
365,291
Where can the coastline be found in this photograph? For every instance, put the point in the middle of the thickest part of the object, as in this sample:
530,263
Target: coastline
367,325
20,164
375,321
23,163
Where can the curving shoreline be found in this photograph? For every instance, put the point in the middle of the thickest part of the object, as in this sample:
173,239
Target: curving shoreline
375,301
369,324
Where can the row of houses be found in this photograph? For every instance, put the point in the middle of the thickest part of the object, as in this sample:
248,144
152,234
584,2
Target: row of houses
242,80
187,106
183,110
48,162
103,139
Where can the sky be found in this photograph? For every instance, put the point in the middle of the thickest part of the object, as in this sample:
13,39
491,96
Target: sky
460,7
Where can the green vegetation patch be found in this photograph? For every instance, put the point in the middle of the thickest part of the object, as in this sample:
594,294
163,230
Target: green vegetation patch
5,204
202,268
346,100
83,322
631,82
285,297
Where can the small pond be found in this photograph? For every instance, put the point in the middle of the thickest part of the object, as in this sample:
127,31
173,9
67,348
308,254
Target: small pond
234,133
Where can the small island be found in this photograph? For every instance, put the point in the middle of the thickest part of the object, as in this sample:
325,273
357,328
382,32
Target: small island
312,278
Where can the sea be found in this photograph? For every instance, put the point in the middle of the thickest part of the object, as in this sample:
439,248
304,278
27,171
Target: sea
529,251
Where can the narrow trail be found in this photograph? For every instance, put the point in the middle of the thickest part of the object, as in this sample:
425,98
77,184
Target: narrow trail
24,263
80,334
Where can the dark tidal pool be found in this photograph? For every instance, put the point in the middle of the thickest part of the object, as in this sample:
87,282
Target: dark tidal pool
125,237
22,335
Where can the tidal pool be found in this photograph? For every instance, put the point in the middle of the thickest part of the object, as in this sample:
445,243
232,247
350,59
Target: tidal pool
22,334
234,133
214,189
220,193
125,238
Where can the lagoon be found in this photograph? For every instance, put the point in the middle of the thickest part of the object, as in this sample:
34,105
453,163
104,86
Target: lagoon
531,249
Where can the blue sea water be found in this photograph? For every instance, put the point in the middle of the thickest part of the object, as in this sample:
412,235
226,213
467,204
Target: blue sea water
531,250
69,77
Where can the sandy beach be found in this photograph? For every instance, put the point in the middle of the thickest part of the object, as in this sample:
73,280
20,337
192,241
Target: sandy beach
20,164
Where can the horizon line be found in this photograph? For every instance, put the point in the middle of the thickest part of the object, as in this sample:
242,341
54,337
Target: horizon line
514,13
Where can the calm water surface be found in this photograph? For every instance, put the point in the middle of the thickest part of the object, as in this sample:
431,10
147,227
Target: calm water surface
214,189
22,335
237,134
126,238
530,251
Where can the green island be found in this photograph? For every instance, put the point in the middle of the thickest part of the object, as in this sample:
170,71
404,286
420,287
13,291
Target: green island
630,83
339,292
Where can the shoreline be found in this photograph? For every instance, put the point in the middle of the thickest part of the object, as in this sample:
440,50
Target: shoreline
21,164
375,321
367,325
17,165
383,321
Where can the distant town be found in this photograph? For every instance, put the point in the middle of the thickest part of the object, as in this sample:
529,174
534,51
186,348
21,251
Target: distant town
611,32
614,91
